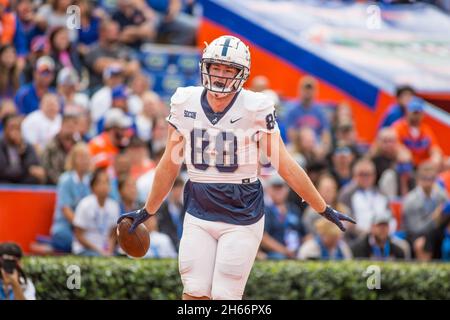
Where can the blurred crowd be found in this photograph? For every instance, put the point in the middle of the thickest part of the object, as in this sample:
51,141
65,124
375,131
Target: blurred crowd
77,112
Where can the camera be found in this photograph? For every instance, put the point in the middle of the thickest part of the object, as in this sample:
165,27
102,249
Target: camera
8,264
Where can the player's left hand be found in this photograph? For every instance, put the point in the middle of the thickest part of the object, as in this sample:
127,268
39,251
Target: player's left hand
336,217
138,217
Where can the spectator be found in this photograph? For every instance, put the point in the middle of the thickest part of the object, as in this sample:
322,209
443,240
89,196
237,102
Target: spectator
73,185
363,197
54,14
41,126
444,176
89,30
171,214
29,96
95,219
342,159
160,244
259,83
63,53
39,47
437,241
26,26
101,101
307,113
109,51
159,136
128,194
7,22
121,168
120,96
393,164
150,110
378,245
6,107
327,245
345,133
174,27
417,136
422,206
305,147
404,95
107,145
54,155
84,125
72,101
137,23
328,189
140,85
283,228
14,283
139,157
9,72
18,159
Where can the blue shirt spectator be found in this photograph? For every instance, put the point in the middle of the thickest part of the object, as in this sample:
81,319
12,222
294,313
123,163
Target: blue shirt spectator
29,96
397,111
72,186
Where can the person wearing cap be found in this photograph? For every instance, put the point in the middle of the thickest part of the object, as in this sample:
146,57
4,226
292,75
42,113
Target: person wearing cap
109,51
107,145
404,94
306,112
119,96
14,283
422,206
41,126
417,136
283,228
327,244
29,96
378,244
72,101
101,101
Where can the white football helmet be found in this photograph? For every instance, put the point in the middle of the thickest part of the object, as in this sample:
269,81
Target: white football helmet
227,50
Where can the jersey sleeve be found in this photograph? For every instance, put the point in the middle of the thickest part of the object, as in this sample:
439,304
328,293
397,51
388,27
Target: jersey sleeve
266,117
177,102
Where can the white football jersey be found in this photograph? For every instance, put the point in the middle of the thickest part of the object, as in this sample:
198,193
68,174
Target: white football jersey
221,147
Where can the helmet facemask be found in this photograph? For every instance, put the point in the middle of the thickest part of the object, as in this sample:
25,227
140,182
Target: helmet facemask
230,85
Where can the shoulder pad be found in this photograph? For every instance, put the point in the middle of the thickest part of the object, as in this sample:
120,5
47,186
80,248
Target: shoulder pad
181,95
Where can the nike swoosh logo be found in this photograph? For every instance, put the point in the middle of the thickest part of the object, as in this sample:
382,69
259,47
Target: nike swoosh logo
233,121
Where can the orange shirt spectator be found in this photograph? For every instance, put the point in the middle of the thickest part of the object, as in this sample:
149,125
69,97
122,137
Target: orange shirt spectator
106,146
417,136
7,24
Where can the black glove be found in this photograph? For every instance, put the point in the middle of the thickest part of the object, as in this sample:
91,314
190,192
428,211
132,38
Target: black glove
138,217
336,217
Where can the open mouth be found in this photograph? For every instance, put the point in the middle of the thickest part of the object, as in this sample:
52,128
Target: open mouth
219,84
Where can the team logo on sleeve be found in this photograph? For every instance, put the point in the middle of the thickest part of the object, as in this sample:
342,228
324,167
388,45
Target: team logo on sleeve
190,114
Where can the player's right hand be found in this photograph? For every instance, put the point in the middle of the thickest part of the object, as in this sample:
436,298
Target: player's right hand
138,217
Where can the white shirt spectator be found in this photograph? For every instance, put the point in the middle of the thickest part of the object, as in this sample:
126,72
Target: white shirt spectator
96,221
100,103
160,246
311,250
37,129
144,185
144,128
366,204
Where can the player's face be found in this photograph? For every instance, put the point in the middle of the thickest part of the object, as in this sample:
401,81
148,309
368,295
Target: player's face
222,75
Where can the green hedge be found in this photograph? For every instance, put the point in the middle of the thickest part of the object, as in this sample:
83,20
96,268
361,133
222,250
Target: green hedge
123,278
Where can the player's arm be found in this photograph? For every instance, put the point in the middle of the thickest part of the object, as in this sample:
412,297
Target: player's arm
275,150
165,175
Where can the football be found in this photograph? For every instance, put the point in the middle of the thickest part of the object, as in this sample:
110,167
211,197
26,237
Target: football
134,244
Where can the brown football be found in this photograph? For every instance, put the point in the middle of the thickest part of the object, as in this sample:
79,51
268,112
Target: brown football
135,244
